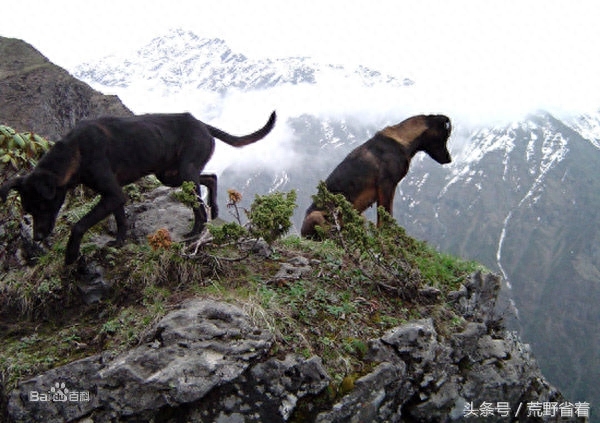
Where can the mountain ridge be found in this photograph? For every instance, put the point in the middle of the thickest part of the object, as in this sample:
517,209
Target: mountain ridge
182,59
43,110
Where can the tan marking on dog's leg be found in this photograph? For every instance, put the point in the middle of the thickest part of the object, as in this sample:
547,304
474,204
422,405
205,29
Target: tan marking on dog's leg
365,199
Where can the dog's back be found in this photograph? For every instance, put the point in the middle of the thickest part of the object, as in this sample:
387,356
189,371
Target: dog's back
357,176
140,145
160,144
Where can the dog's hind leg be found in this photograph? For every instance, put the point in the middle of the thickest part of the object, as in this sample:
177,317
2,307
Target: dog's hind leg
209,180
192,163
200,218
191,173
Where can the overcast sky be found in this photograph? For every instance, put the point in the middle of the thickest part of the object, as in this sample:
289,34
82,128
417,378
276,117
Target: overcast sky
486,55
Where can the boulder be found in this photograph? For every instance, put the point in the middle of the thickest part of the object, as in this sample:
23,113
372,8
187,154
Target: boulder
191,351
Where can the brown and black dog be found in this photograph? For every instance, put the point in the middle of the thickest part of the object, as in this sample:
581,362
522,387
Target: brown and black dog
371,172
107,153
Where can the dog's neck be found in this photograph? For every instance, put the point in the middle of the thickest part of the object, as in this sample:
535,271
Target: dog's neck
407,139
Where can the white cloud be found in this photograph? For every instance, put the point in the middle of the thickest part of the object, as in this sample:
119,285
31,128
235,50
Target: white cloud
480,59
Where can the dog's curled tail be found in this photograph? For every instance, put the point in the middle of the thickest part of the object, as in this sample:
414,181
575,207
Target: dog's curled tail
245,139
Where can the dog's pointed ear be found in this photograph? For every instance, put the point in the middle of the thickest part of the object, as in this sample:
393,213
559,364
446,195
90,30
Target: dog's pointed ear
14,183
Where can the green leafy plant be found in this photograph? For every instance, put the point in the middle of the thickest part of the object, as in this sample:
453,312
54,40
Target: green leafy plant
21,150
227,233
188,195
268,218
270,215
230,232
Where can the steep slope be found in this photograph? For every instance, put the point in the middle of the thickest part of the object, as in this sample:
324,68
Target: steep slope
524,201
57,101
209,361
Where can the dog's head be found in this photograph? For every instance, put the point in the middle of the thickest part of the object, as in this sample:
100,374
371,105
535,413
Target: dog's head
41,197
433,140
313,218
428,133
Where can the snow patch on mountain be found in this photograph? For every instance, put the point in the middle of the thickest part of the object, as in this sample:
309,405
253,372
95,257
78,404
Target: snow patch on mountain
554,148
482,142
588,126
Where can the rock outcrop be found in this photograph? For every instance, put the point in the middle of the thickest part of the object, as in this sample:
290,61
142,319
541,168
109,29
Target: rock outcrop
207,361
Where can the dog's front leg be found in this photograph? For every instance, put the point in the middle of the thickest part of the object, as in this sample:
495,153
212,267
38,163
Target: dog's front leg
106,206
385,199
121,220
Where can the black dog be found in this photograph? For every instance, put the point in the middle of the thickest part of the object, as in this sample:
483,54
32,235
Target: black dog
107,153
371,172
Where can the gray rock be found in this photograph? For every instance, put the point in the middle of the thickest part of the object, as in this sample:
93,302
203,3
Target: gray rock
424,378
158,210
375,397
268,392
91,283
429,295
295,268
476,300
203,345
260,247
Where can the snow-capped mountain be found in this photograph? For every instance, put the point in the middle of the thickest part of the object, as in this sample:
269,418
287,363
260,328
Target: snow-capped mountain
181,60
522,198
